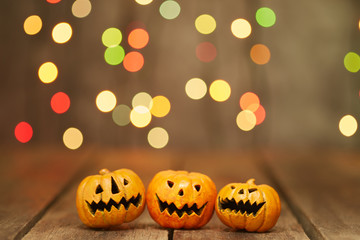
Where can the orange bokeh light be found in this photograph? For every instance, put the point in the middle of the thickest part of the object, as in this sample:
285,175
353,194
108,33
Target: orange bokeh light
53,1
260,54
260,115
138,38
133,61
206,52
249,101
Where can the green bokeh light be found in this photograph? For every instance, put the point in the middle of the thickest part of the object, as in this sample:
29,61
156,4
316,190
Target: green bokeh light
121,115
114,55
169,9
265,17
111,37
352,62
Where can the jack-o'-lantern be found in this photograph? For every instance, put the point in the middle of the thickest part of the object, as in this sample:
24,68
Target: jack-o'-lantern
110,198
255,208
179,199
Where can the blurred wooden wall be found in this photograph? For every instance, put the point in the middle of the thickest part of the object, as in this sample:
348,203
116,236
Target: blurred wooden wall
305,88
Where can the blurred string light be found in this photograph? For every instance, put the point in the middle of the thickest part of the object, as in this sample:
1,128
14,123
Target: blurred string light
246,120
60,102
265,17
47,72
169,9
106,101
72,138
140,116
220,90
133,61
143,2
160,107
142,99
252,114
241,28
23,132
260,54
62,32
158,137
205,24
114,55
53,1
206,52
121,115
352,62
249,101
81,8
195,88
138,38
111,37
348,125
32,25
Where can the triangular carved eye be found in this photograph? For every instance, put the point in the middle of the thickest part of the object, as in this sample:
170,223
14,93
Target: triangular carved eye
114,186
197,187
126,182
241,191
99,189
252,190
170,183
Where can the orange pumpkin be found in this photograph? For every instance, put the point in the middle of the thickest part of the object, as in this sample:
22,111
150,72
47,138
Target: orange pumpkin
110,198
255,208
179,199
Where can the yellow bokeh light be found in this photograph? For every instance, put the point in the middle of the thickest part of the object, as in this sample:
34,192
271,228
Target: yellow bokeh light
62,32
143,2
32,25
241,28
48,72
106,101
142,99
220,90
205,24
81,8
140,116
73,138
246,120
158,137
161,106
348,125
195,88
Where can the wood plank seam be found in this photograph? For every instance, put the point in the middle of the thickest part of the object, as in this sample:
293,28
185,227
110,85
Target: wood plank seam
170,234
73,180
309,228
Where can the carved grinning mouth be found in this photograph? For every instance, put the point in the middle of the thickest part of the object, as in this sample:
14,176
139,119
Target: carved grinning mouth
101,206
246,207
171,208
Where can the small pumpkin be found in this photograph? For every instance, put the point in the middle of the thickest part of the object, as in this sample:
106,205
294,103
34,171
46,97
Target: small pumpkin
110,198
255,208
179,199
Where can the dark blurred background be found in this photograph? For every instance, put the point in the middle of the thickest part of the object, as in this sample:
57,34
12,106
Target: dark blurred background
304,88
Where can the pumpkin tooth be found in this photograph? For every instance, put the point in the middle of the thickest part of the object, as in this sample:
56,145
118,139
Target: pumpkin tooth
243,208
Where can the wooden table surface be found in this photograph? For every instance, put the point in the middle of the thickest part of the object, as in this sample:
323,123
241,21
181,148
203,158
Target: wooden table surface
319,190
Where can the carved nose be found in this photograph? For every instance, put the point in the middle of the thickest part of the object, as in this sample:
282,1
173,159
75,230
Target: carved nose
181,192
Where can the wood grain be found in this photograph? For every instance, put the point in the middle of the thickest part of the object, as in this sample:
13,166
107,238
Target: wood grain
323,188
30,181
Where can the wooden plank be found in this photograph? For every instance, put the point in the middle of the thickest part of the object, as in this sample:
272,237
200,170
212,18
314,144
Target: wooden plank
62,221
30,180
225,167
323,188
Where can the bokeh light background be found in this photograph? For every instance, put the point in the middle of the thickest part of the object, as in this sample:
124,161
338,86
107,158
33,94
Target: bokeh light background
182,74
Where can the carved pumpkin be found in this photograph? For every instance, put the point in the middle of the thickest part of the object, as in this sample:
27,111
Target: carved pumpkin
255,208
179,199
110,198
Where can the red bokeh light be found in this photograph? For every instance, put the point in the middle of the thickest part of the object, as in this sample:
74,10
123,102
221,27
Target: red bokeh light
133,61
53,1
206,52
23,132
260,115
60,102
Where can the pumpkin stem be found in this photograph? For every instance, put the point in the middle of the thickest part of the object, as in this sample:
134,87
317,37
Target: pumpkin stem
104,171
251,181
